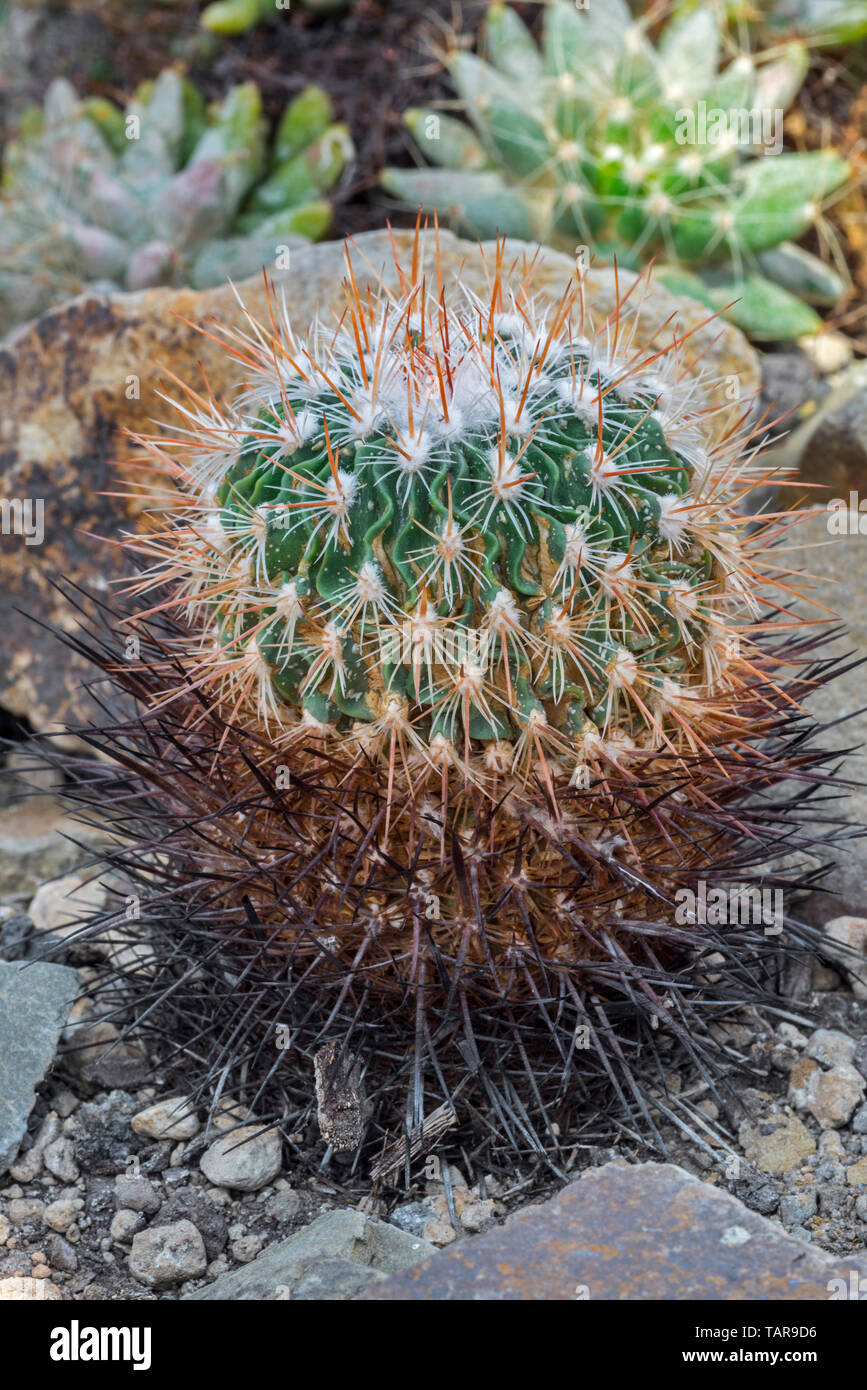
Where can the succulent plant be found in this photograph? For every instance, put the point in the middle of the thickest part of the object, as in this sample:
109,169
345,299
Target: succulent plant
458,658
167,192
237,16
601,140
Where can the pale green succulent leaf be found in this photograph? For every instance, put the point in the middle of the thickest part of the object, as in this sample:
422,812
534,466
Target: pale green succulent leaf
444,140
812,175
509,45
520,140
480,86
574,38
479,202
689,54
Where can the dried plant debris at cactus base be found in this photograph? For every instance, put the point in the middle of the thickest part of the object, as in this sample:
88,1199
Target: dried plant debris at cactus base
457,659
165,192
601,140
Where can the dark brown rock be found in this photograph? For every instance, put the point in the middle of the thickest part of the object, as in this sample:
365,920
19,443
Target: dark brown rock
649,1231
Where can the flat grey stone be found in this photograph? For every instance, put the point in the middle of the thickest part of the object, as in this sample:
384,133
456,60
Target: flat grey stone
34,1006
312,1263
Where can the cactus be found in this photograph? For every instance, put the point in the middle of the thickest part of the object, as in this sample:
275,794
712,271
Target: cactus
599,139
497,542
457,658
165,192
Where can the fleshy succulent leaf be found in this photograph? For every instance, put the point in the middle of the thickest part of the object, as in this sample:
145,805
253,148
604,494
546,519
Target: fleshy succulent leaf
143,196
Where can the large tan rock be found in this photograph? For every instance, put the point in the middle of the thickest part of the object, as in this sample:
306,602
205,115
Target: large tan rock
73,381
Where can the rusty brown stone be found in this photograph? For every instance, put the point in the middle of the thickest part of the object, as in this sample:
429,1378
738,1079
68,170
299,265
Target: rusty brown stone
649,1231
67,396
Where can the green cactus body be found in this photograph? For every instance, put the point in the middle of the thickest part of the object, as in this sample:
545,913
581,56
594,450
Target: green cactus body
635,151
473,528
165,192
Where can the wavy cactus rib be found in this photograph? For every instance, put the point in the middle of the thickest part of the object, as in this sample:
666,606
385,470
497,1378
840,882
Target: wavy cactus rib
601,139
165,192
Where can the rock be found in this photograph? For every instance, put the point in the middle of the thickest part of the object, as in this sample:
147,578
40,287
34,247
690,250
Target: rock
799,1081
831,447
32,844
15,934
59,1159
61,909
63,1213
791,387
191,1204
851,933
135,1194
64,404
284,1204
61,1255
829,1046
833,1095
349,1237
101,1133
477,1215
823,978
624,1232
125,1225
27,1289
857,1174
837,570
831,1145
829,352
791,1036
34,1004
173,1118
246,1159
776,1144
98,1056
246,1248
22,1209
29,1164
334,1280
167,1255
797,1207
859,1120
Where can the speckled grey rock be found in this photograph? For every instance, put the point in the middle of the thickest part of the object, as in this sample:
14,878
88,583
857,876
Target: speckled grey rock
34,1005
